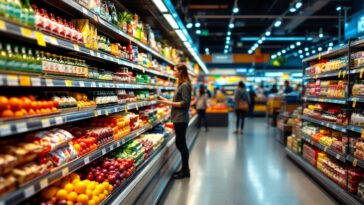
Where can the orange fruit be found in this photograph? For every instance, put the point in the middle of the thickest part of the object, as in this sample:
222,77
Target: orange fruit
49,192
49,104
61,195
77,147
110,188
4,103
92,202
31,97
89,193
80,187
72,196
26,103
31,112
91,186
96,192
15,103
102,197
7,113
18,114
73,176
34,105
69,187
70,203
83,199
25,112
106,192
54,109
96,199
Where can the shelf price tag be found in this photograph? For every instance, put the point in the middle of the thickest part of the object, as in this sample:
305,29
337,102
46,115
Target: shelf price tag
362,133
118,144
339,74
93,84
337,156
82,84
43,183
96,113
76,47
59,120
2,25
126,108
68,83
29,191
53,40
354,102
25,32
49,82
106,112
325,149
103,151
45,122
40,39
65,171
35,81
92,52
361,73
344,73
5,130
12,80
21,127
25,80
87,160
355,161
84,11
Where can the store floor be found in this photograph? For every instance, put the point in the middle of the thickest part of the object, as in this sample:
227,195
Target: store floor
249,169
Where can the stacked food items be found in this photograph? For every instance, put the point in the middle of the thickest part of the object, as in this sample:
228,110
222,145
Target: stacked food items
324,66
132,150
358,88
310,154
357,147
355,176
294,144
217,106
334,139
25,106
357,59
67,100
18,12
119,123
162,111
326,88
326,112
333,170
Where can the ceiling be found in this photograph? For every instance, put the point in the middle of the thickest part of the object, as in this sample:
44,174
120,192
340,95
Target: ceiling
255,17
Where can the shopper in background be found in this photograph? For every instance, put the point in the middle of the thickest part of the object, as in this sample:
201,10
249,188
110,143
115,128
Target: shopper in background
287,87
273,90
180,117
242,101
252,96
201,106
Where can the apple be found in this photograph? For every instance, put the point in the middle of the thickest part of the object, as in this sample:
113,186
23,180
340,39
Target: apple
100,178
122,175
106,164
90,177
112,167
111,179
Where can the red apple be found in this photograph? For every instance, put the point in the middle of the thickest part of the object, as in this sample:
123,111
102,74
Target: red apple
111,179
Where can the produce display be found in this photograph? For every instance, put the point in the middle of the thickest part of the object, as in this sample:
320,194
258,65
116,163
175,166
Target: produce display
326,112
326,88
217,106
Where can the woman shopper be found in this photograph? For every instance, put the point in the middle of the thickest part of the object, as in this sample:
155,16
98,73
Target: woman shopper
180,117
201,106
241,106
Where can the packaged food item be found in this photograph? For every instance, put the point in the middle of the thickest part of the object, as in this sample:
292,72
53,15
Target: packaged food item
7,184
30,171
7,163
63,155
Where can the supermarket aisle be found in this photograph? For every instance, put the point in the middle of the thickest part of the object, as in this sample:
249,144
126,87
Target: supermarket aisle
250,169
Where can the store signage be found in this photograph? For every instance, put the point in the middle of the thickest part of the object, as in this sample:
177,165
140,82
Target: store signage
361,24
355,27
222,58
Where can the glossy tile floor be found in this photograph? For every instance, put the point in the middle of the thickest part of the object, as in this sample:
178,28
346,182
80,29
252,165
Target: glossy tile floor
249,169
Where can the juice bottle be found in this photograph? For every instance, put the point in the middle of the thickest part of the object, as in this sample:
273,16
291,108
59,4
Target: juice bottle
30,13
25,64
3,57
13,10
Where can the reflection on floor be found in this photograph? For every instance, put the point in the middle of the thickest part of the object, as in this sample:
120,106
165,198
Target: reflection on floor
249,169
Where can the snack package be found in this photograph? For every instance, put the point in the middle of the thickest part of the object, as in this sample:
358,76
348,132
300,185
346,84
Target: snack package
51,140
63,155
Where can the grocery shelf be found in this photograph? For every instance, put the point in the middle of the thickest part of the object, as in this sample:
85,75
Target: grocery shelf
325,124
111,28
355,128
329,185
26,191
15,80
355,70
355,161
327,100
326,149
356,99
340,50
8,128
41,38
327,75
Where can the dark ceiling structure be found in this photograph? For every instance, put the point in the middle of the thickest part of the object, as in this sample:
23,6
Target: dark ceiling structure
255,17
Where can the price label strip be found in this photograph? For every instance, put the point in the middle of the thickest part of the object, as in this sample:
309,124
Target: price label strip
65,171
2,25
76,47
29,191
25,32
40,39
355,162
43,183
45,123
25,80
354,102
339,74
68,83
5,130
12,80
21,127
35,81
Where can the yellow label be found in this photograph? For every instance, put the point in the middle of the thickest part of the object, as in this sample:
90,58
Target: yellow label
106,112
76,47
319,56
339,74
325,149
40,39
361,73
96,18
24,81
26,32
362,133
354,102
45,122
68,83
65,171
43,183
2,25
53,40
126,108
96,114
344,73
355,161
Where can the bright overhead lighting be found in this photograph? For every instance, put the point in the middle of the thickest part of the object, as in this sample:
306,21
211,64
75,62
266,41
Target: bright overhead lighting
171,21
227,41
231,25
321,35
229,33
250,51
319,49
235,10
331,44
267,33
298,4
278,23
299,51
301,56
338,8
181,35
256,45
189,25
306,49
292,10
263,38
313,51
187,44
197,24
260,41
307,54
279,53
198,31
283,51
292,46
309,38
226,46
160,5
298,43
273,74
228,38
330,48
225,51
207,50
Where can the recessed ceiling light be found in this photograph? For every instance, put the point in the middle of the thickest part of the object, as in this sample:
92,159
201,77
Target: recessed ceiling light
197,24
231,25
189,25
278,23
235,10
267,33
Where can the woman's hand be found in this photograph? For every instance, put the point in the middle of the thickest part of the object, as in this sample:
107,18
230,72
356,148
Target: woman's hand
166,102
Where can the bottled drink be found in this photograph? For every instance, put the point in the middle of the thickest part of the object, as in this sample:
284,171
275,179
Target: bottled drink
3,57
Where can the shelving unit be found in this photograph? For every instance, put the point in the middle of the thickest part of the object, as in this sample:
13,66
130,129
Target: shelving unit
327,100
325,124
165,158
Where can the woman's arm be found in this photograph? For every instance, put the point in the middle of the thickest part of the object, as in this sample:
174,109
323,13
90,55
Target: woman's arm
185,95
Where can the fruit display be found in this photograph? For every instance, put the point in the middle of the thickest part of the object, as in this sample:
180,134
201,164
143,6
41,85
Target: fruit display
132,150
68,100
326,88
102,98
12,107
327,66
326,112
217,106
120,124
